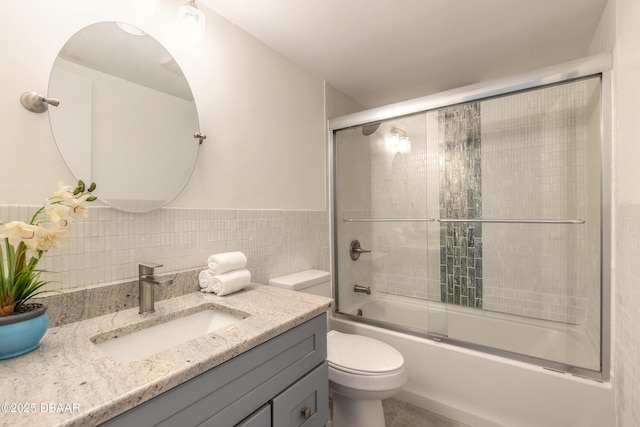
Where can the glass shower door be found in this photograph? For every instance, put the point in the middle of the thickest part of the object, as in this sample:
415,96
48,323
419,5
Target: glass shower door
479,223
520,222
381,206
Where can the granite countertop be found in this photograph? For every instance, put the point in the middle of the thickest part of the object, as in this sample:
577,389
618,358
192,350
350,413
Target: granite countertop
68,381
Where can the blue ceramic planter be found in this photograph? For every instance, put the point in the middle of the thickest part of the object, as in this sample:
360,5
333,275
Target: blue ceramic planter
21,333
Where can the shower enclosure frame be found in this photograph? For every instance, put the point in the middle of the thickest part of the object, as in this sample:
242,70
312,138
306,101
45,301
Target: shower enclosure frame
598,65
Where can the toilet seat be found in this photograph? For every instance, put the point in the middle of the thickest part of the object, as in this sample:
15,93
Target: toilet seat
359,372
360,355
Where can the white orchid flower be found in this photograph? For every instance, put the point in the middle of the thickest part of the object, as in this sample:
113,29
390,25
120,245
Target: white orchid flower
45,239
18,231
65,192
54,237
37,242
77,207
57,214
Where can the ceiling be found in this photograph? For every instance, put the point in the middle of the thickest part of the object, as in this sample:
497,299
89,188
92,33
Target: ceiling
383,51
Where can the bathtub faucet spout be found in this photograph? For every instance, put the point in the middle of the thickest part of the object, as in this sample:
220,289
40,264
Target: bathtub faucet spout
362,289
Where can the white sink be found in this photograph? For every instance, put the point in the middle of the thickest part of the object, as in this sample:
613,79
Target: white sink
153,339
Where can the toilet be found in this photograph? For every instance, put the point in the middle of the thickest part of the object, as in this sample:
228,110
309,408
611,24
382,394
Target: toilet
362,371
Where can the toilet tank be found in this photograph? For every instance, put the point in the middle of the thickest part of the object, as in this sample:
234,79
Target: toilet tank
315,282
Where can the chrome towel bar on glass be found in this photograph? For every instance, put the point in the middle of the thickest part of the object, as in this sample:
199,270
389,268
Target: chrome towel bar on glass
495,221
388,220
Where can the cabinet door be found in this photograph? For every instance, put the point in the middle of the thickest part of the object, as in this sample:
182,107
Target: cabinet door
305,403
260,418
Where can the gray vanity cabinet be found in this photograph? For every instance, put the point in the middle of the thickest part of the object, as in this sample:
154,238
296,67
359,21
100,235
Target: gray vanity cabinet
280,383
260,418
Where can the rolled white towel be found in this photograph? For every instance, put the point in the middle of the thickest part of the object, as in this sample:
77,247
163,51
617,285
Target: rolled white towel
225,283
227,261
204,278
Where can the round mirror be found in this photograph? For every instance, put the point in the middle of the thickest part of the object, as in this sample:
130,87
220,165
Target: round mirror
126,118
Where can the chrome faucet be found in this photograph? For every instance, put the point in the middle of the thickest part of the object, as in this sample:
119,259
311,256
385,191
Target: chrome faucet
146,283
362,289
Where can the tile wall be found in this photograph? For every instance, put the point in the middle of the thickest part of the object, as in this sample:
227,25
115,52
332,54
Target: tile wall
107,247
531,155
399,190
356,201
352,200
627,318
539,162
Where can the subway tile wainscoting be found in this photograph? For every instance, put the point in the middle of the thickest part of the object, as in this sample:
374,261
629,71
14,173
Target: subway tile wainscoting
108,245
627,319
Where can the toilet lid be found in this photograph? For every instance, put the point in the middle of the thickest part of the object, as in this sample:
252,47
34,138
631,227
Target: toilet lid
357,353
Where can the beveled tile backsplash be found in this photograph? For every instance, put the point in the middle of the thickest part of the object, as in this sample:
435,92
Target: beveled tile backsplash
107,246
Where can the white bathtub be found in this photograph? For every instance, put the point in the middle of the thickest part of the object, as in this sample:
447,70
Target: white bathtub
562,343
480,389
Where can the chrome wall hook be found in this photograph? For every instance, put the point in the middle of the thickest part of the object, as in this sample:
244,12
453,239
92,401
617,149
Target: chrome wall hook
37,103
200,136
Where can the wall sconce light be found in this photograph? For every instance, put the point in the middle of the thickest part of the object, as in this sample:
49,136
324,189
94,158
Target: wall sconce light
130,29
191,23
398,141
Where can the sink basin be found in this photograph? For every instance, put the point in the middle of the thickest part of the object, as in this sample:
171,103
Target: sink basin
153,339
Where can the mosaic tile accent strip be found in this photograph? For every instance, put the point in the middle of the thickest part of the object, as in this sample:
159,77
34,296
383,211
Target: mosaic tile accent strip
460,197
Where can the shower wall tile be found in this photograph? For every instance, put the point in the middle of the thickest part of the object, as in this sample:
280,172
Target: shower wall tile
107,247
539,161
591,206
627,315
399,263
352,200
531,155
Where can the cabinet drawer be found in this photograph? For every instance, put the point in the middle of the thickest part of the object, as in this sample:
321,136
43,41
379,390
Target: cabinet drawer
305,403
260,418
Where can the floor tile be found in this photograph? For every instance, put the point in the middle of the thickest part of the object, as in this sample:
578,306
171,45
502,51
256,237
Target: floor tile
402,414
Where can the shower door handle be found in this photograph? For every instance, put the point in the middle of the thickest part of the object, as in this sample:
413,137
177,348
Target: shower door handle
355,250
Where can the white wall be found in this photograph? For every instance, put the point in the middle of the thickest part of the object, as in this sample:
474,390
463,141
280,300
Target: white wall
627,217
262,114
259,181
619,31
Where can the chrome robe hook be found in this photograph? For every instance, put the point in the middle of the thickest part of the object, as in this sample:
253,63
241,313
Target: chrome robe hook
37,103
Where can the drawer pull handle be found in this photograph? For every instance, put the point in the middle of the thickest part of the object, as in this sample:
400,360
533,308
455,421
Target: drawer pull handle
306,413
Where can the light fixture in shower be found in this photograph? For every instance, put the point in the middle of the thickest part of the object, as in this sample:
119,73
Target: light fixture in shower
398,141
191,23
